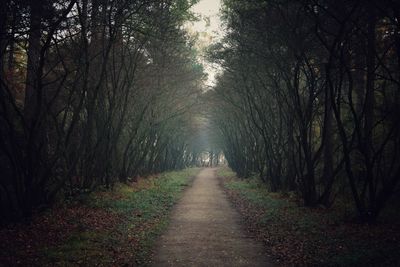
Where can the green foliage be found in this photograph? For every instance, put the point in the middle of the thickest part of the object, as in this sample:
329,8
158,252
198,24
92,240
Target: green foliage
297,235
181,10
225,172
142,210
294,106
108,118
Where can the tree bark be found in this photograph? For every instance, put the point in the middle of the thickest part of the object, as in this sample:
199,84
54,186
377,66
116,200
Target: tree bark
370,103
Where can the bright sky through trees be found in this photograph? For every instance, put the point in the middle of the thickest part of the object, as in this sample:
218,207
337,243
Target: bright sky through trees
209,29
210,9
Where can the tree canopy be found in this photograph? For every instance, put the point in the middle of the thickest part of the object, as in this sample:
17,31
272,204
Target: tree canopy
92,92
308,98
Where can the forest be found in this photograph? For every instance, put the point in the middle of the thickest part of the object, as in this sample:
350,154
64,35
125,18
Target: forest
309,98
96,95
92,92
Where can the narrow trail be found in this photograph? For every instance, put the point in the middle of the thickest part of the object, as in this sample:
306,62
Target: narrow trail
205,231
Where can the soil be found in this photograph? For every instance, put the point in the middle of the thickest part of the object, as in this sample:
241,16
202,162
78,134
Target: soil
205,230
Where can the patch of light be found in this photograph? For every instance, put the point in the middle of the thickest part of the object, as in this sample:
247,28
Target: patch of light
208,30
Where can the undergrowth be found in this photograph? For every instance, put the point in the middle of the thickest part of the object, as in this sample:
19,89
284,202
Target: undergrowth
105,228
296,235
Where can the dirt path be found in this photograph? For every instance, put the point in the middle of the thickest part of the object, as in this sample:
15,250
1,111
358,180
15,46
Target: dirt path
204,231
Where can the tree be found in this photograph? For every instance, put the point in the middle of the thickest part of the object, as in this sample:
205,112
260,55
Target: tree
107,84
304,95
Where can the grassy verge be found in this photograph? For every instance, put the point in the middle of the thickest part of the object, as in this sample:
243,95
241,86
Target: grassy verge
298,236
106,228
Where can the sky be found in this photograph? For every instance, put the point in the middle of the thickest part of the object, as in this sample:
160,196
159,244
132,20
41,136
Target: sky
208,8
208,31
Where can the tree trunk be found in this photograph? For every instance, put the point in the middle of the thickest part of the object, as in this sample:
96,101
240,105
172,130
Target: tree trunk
31,93
33,98
369,104
327,176
3,36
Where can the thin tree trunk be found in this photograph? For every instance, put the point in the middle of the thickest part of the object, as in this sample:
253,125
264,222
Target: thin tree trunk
327,175
369,104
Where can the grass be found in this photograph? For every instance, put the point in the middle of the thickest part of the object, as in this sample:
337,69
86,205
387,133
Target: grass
297,235
106,228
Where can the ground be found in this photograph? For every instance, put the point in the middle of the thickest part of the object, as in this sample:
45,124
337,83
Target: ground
205,230
295,235
104,228
196,217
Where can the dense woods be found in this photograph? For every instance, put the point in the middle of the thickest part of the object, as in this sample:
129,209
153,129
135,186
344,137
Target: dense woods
111,112
95,92
92,92
308,98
